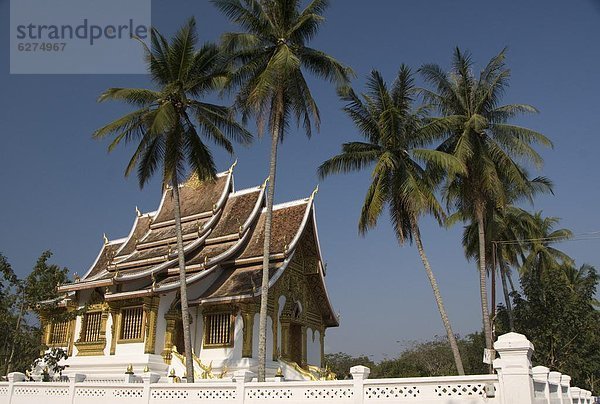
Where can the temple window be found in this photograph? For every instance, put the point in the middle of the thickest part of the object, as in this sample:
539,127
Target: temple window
218,330
59,333
132,323
91,323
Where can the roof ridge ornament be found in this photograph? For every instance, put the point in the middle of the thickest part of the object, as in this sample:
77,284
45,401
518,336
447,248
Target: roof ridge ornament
264,184
314,193
137,212
232,166
105,238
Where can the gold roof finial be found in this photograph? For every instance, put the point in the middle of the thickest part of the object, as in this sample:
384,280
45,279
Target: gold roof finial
129,370
264,184
232,166
105,238
146,369
279,372
314,193
172,372
137,211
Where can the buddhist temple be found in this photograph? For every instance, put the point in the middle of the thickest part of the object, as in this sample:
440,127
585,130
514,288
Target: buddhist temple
128,308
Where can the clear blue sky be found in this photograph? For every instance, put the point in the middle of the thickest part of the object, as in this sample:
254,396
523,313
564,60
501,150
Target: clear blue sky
61,190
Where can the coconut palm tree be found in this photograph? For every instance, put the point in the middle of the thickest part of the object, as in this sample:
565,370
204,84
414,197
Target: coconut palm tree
478,133
168,124
541,253
394,139
506,229
271,57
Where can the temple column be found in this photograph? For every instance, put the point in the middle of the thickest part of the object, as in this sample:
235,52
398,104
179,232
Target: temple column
304,350
285,340
169,336
322,342
248,318
150,308
115,313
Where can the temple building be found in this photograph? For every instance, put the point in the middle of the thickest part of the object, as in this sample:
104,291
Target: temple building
127,304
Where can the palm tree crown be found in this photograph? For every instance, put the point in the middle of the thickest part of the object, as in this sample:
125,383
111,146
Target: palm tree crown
169,120
272,54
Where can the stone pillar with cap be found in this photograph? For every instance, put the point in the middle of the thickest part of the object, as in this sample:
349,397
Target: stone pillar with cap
514,368
359,375
555,387
565,391
540,381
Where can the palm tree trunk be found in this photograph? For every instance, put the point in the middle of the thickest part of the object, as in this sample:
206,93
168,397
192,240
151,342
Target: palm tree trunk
264,296
485,314
438,299
503,275
185,315
512,285
9,363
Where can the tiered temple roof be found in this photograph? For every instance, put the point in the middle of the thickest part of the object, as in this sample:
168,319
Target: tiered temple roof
223,234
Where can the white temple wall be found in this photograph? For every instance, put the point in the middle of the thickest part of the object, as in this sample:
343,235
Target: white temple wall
197,330
313,347
77,332
281,304
255,334
161,324
109,332
129,348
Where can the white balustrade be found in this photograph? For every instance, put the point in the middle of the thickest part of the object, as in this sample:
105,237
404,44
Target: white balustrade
515,383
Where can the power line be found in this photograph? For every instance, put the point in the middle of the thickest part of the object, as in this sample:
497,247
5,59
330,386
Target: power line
592,235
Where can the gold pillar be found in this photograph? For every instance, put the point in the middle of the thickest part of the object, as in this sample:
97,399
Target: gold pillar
285,343
304,361
248,318
274,332
151,313
169,336
115,313
322,338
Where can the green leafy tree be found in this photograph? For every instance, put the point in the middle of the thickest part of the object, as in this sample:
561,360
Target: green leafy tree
22,334
169,122
434,358
556,312
478,133
340,363
394,138
271,57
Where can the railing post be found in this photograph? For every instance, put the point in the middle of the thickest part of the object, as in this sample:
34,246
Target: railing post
74,378
359,375
540,377
149,378
13,378
575,395
565,384
514,368
241,377
555,387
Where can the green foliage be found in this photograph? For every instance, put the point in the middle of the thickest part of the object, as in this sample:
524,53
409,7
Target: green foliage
340,363
556,312
20,333
419,359
270,58
170,120
394,133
